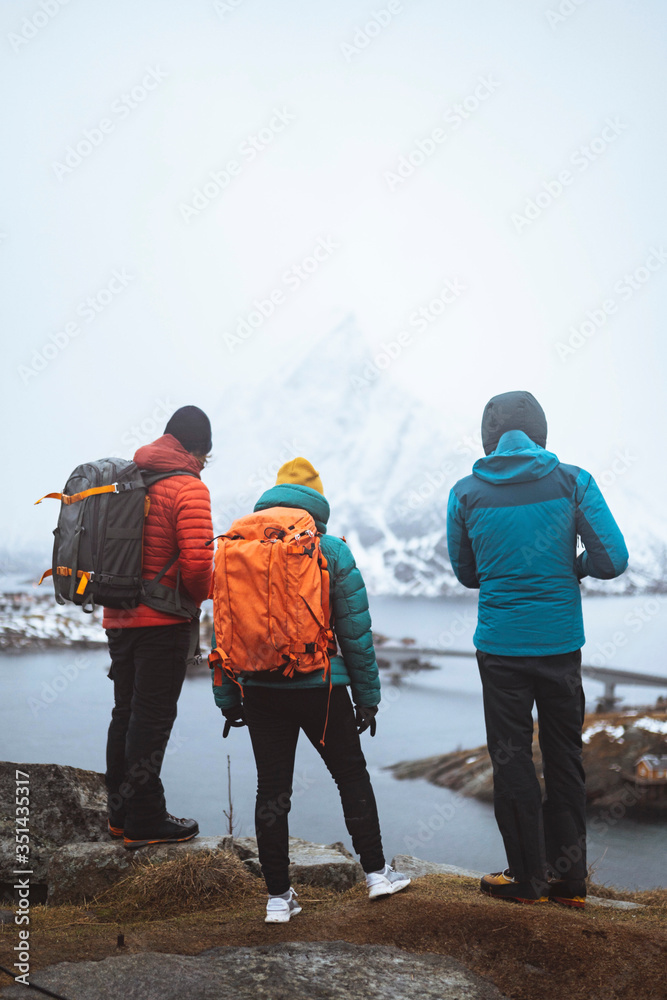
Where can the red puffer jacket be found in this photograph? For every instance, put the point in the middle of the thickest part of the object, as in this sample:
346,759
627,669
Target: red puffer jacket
179,519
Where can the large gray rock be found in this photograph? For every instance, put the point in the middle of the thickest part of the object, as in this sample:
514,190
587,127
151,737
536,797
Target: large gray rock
79,872
328,865
329,970
613,904
244,847
67,805
415,867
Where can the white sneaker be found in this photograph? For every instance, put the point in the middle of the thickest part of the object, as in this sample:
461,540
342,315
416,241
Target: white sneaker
385,882
279,909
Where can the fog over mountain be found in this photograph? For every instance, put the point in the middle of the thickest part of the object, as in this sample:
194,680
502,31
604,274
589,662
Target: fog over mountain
386,460
387,464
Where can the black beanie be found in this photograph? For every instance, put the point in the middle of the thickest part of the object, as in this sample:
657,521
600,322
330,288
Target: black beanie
513,411
192,428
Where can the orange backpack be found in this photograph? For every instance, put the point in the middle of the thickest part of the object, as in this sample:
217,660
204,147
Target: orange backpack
271,597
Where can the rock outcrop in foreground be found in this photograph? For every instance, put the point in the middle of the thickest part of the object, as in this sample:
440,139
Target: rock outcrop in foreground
67,806
329,970
79,872
73,857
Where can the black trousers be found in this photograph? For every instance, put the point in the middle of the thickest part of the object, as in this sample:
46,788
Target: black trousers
539,835
275,719
147,668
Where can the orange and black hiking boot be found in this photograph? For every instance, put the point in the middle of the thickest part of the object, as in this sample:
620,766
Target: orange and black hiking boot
568,892
169,831
115,829
503,885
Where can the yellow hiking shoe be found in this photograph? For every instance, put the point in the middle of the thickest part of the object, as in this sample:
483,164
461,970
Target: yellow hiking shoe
568,892
503,885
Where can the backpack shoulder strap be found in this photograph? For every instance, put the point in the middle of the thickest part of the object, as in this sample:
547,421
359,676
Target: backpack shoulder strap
150,478
153,590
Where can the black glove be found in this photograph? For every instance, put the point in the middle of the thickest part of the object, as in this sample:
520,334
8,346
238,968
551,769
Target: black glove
234,718
365,718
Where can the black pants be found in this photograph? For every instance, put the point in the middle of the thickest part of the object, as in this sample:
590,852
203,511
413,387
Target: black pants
538,835
275,719
147,668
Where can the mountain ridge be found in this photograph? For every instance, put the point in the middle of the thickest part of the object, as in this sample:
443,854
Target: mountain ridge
388,464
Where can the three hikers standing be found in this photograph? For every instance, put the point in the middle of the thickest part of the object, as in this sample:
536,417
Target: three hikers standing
294,632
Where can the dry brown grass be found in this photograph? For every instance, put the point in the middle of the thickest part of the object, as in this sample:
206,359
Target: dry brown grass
541,951
187,883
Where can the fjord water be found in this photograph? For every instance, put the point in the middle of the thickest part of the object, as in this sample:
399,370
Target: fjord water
54,707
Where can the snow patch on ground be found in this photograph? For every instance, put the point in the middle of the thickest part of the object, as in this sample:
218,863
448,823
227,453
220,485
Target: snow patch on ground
650,725
30,619
613,732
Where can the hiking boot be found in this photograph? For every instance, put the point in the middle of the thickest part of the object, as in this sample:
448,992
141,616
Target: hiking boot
280,908
115,828
169,831
568,892
503,885
385,882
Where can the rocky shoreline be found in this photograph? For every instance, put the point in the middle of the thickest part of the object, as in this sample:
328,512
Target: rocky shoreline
612,745
33,622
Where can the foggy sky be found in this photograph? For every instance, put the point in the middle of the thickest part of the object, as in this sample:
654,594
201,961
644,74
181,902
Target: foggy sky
305,116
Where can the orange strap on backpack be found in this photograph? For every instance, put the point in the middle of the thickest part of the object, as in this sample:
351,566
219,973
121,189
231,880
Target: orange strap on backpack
82,576
219,664
75,497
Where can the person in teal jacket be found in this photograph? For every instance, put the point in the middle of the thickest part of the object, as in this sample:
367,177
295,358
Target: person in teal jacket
512,530
276,708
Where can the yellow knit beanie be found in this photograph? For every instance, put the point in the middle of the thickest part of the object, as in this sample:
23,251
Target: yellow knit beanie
300,472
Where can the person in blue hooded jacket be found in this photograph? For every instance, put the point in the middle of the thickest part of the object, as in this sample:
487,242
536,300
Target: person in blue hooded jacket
512,530
276,708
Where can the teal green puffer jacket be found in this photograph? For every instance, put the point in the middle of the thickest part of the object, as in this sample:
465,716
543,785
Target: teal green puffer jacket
350,615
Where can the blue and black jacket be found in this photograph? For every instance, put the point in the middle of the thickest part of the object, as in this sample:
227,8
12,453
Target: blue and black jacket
512,530
350,615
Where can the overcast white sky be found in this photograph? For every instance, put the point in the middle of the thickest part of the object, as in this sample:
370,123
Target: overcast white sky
219,74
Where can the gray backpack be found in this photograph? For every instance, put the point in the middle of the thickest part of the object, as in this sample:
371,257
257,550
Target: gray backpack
98,543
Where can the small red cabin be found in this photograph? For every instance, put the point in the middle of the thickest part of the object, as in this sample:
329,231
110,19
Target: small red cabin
652,767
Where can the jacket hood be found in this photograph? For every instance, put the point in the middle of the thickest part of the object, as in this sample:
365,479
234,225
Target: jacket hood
295,495
165,454
517,459
513,411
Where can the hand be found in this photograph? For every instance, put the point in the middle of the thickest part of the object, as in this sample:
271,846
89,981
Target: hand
234,719
365,718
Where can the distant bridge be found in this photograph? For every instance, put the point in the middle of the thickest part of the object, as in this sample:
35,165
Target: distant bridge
397,655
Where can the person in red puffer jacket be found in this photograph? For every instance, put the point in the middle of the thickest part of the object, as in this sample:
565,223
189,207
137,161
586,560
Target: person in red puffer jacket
148,647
